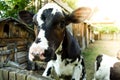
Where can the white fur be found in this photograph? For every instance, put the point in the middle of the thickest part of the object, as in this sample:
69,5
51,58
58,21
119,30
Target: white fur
55,7
38,48
44,42
103,73
62,69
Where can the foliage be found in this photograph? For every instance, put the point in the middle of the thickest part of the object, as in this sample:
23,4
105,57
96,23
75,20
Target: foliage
71,3
107,28
10,8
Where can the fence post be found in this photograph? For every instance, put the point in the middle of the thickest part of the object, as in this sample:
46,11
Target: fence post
1,75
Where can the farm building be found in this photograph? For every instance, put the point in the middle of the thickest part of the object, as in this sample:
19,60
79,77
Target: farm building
15,38
83,32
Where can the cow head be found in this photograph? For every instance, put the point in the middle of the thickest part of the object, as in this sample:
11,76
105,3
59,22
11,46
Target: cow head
51,23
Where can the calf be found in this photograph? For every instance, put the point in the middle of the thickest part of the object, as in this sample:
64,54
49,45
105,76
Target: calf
54,43
107,68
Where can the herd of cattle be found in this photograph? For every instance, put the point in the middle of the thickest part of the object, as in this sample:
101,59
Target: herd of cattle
54,44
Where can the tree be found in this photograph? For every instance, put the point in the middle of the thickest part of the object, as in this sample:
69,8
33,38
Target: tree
71,3
10,8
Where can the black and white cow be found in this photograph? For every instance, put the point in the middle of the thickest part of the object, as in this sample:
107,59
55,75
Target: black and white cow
54,43
107,67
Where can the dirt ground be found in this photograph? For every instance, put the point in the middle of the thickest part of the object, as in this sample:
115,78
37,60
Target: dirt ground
109,47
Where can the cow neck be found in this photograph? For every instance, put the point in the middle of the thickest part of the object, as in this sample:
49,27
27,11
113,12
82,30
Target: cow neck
59,49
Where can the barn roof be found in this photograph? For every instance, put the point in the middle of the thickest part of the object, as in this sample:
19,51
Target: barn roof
18,23
64,6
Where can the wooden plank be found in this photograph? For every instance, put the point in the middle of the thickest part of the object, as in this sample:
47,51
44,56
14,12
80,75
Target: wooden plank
63,5
18,74
1,63
21,76
21,43
21,54
12,75
22,60
29,77
37,77
21,48
6,52
23,65
3,48
2,58
1,75
17,41
5,74
11,46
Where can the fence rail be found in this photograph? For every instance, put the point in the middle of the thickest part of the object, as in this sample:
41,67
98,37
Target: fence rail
9,73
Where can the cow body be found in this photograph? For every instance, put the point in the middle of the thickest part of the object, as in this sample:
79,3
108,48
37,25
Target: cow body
105,68
69,62
54,43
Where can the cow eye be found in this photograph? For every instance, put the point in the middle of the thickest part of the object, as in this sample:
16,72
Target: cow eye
62,24
38,40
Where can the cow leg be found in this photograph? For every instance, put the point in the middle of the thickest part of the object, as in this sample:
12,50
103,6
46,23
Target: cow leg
48,69
79,71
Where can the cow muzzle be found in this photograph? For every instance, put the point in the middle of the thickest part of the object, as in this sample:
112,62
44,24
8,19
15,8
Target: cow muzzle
36,53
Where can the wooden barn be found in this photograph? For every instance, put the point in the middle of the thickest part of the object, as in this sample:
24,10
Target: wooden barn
83,32
15,39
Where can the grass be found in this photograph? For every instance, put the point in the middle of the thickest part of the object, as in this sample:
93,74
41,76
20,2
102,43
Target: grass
108,47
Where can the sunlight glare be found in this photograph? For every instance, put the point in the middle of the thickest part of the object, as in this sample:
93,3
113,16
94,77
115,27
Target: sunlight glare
106,9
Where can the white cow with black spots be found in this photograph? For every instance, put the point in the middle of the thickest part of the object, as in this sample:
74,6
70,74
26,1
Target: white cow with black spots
54,43
107,67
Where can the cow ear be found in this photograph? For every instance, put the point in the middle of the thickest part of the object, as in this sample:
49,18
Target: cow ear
79,15
26,17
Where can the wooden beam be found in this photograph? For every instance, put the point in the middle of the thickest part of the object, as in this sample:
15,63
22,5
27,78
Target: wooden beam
63,5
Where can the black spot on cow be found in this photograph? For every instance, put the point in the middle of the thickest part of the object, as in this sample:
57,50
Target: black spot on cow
46,13
49,71
83,69
38,40
70,46
99,59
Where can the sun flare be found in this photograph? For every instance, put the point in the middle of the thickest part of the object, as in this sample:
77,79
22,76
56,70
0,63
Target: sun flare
103,9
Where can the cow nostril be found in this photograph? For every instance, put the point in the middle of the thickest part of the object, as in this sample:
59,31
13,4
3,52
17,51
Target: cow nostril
38,40
35,54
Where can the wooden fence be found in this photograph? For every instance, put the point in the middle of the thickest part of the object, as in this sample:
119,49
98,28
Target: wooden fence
10,73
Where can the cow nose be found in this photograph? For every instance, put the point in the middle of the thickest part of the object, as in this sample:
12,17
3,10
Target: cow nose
35,53
38,40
